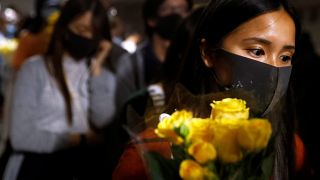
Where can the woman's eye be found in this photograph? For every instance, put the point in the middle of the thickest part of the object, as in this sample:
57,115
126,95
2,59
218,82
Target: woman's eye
257,52
285,58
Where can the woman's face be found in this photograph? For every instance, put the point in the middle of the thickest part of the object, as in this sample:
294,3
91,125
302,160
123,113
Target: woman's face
268,38
82,25
173,6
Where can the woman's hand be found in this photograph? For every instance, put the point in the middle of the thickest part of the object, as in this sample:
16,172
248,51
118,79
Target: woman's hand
90,137
93,138
103,52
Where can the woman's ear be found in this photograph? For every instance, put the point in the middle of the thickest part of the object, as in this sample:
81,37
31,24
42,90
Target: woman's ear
204,53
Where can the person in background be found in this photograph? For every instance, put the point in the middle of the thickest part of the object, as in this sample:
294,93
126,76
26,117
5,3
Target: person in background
117,30
240,49
61,98
154,95
12,17
136,71
143,109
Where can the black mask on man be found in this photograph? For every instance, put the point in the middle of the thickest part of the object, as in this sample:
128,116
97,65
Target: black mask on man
79,47
260,84
167,26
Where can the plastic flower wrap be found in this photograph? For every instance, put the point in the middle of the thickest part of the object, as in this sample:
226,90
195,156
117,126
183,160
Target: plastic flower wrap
226,145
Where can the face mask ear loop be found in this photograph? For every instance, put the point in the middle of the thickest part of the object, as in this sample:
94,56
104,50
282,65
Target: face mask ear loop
213,72
216,80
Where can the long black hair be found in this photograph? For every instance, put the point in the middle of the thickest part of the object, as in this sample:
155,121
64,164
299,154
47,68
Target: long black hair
218,20
178,47
73,9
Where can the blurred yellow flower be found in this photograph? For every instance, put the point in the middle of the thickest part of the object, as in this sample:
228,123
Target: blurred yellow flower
230,109
254,134
212,148
175,120
202,151
51,21
8,46
54,16
200,129
191,170
226,143
170,134
166,128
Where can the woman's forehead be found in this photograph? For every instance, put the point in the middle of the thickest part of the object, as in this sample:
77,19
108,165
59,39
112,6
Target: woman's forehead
276,25
83,20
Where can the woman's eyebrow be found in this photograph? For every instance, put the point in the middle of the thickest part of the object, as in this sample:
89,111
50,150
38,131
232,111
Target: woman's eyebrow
259,40
267,42
289,47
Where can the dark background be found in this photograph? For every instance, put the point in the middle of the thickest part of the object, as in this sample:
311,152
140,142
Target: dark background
130,12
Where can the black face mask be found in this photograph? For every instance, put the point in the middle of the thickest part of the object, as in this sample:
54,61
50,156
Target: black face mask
167,26
79,47
260,84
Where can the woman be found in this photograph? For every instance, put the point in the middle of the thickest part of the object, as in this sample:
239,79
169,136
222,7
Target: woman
56,94
243,49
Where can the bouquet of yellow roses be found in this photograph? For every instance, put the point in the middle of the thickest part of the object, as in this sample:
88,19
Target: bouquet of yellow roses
226,145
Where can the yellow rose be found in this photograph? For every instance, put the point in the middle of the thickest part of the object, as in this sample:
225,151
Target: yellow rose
202,151
167,126
200,129
170,134
255,134
175,120
191,170
226,143
230,109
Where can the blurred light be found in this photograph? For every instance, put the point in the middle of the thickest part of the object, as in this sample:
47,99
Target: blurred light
10,15
113,11
129,45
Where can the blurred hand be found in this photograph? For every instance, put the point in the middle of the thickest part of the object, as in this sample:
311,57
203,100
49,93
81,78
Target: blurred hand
74,139
103,52
93,137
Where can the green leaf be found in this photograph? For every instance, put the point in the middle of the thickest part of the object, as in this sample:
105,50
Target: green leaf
178,153
267,166
184,130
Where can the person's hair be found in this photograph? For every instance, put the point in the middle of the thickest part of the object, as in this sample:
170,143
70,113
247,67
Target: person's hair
303,92
218,20
179,46
72,10
150,10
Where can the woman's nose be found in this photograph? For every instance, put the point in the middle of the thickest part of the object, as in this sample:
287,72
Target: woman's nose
273,60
